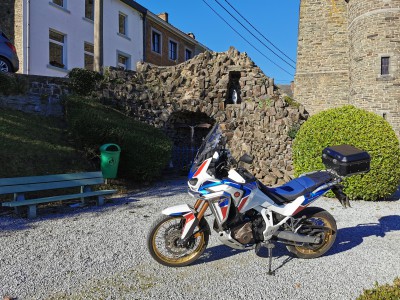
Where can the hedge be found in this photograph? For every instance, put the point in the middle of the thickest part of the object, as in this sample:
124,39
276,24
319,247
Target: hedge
362,129
383,292
83,82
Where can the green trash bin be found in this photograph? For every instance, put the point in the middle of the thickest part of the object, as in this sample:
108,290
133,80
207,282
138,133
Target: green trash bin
109,160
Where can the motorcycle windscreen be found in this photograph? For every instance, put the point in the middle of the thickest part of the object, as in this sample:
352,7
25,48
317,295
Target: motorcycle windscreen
207,148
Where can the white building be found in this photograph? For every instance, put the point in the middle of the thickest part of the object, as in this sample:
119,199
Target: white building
58,35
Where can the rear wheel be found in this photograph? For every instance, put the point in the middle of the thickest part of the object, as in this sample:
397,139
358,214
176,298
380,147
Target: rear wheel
316,218
163,238
5,66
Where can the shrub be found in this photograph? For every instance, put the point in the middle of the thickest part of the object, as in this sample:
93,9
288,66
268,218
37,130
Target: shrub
83,82
291,102
21,85
6,83
384,292
264,103
362,129
145,150
11,84
294,129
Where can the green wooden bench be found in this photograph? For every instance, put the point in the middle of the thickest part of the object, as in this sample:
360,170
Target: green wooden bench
19,186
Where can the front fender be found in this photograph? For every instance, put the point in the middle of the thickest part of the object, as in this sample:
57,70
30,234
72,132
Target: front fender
178,210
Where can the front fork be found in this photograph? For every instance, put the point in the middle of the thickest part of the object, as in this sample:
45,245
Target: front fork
192,219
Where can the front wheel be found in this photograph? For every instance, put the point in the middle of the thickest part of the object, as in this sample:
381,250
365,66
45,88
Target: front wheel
162,241
316,218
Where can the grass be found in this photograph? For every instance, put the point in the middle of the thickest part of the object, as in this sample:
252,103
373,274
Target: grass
145,150
33,145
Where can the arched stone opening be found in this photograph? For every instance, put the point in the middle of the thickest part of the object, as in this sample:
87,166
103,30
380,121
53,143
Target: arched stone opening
186,130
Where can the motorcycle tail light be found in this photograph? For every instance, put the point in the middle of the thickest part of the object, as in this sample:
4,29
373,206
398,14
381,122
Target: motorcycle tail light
12,47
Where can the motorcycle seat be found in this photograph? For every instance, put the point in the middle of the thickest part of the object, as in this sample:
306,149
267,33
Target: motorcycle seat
297,187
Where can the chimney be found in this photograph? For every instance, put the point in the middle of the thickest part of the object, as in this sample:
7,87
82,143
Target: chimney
191,35
163,16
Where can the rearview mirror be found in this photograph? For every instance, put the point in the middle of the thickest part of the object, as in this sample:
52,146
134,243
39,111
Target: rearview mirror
248,159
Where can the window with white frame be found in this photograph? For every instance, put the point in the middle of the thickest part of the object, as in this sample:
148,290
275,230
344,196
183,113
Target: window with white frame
59,2
89,56
385,61
123,61
56,49
122,19
156,41
89,9
173,50
188,54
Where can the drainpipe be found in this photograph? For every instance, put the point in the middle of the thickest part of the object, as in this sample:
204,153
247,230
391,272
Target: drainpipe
144,37
98,36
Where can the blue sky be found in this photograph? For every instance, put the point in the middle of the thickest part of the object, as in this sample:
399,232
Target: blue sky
277,20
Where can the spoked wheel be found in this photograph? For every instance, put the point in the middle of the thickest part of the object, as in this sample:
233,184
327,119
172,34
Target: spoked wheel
318,223
163,238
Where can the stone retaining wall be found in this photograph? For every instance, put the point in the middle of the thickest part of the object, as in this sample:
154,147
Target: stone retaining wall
258,123
42,95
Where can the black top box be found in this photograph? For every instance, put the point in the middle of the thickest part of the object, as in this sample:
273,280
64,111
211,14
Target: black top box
346,160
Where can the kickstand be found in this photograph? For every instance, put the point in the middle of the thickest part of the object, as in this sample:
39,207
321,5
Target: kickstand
270,246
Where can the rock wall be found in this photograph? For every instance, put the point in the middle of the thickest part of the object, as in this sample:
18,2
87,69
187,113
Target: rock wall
258,123
37,94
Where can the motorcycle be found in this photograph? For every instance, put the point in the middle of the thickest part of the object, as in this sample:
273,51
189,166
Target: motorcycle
248,214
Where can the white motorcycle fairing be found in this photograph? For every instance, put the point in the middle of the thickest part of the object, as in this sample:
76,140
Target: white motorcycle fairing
177,210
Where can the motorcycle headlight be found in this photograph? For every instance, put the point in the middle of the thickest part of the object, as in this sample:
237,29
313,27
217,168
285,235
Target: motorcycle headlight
193,181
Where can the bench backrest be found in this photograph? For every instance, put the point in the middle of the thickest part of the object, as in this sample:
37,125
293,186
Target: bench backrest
47,182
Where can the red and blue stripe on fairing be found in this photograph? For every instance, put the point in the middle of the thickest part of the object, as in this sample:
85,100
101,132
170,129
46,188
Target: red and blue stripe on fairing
308,199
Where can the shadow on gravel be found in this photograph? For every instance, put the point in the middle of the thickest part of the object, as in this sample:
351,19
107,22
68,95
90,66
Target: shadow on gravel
348,238
221,252
216,253
69,210
9,221
166,189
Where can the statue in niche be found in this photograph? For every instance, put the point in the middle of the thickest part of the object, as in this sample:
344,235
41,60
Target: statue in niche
234,97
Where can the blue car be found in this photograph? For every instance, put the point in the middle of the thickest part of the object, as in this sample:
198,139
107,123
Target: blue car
8,55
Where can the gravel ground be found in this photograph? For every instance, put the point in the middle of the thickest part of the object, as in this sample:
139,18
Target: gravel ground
100,253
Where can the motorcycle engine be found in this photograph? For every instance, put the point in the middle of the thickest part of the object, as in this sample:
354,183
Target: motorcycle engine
243,233
249,232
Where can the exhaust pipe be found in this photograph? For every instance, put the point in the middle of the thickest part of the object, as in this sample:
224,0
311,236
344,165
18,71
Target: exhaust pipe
294,237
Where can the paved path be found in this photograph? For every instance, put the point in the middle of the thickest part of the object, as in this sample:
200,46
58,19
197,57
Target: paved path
100,253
